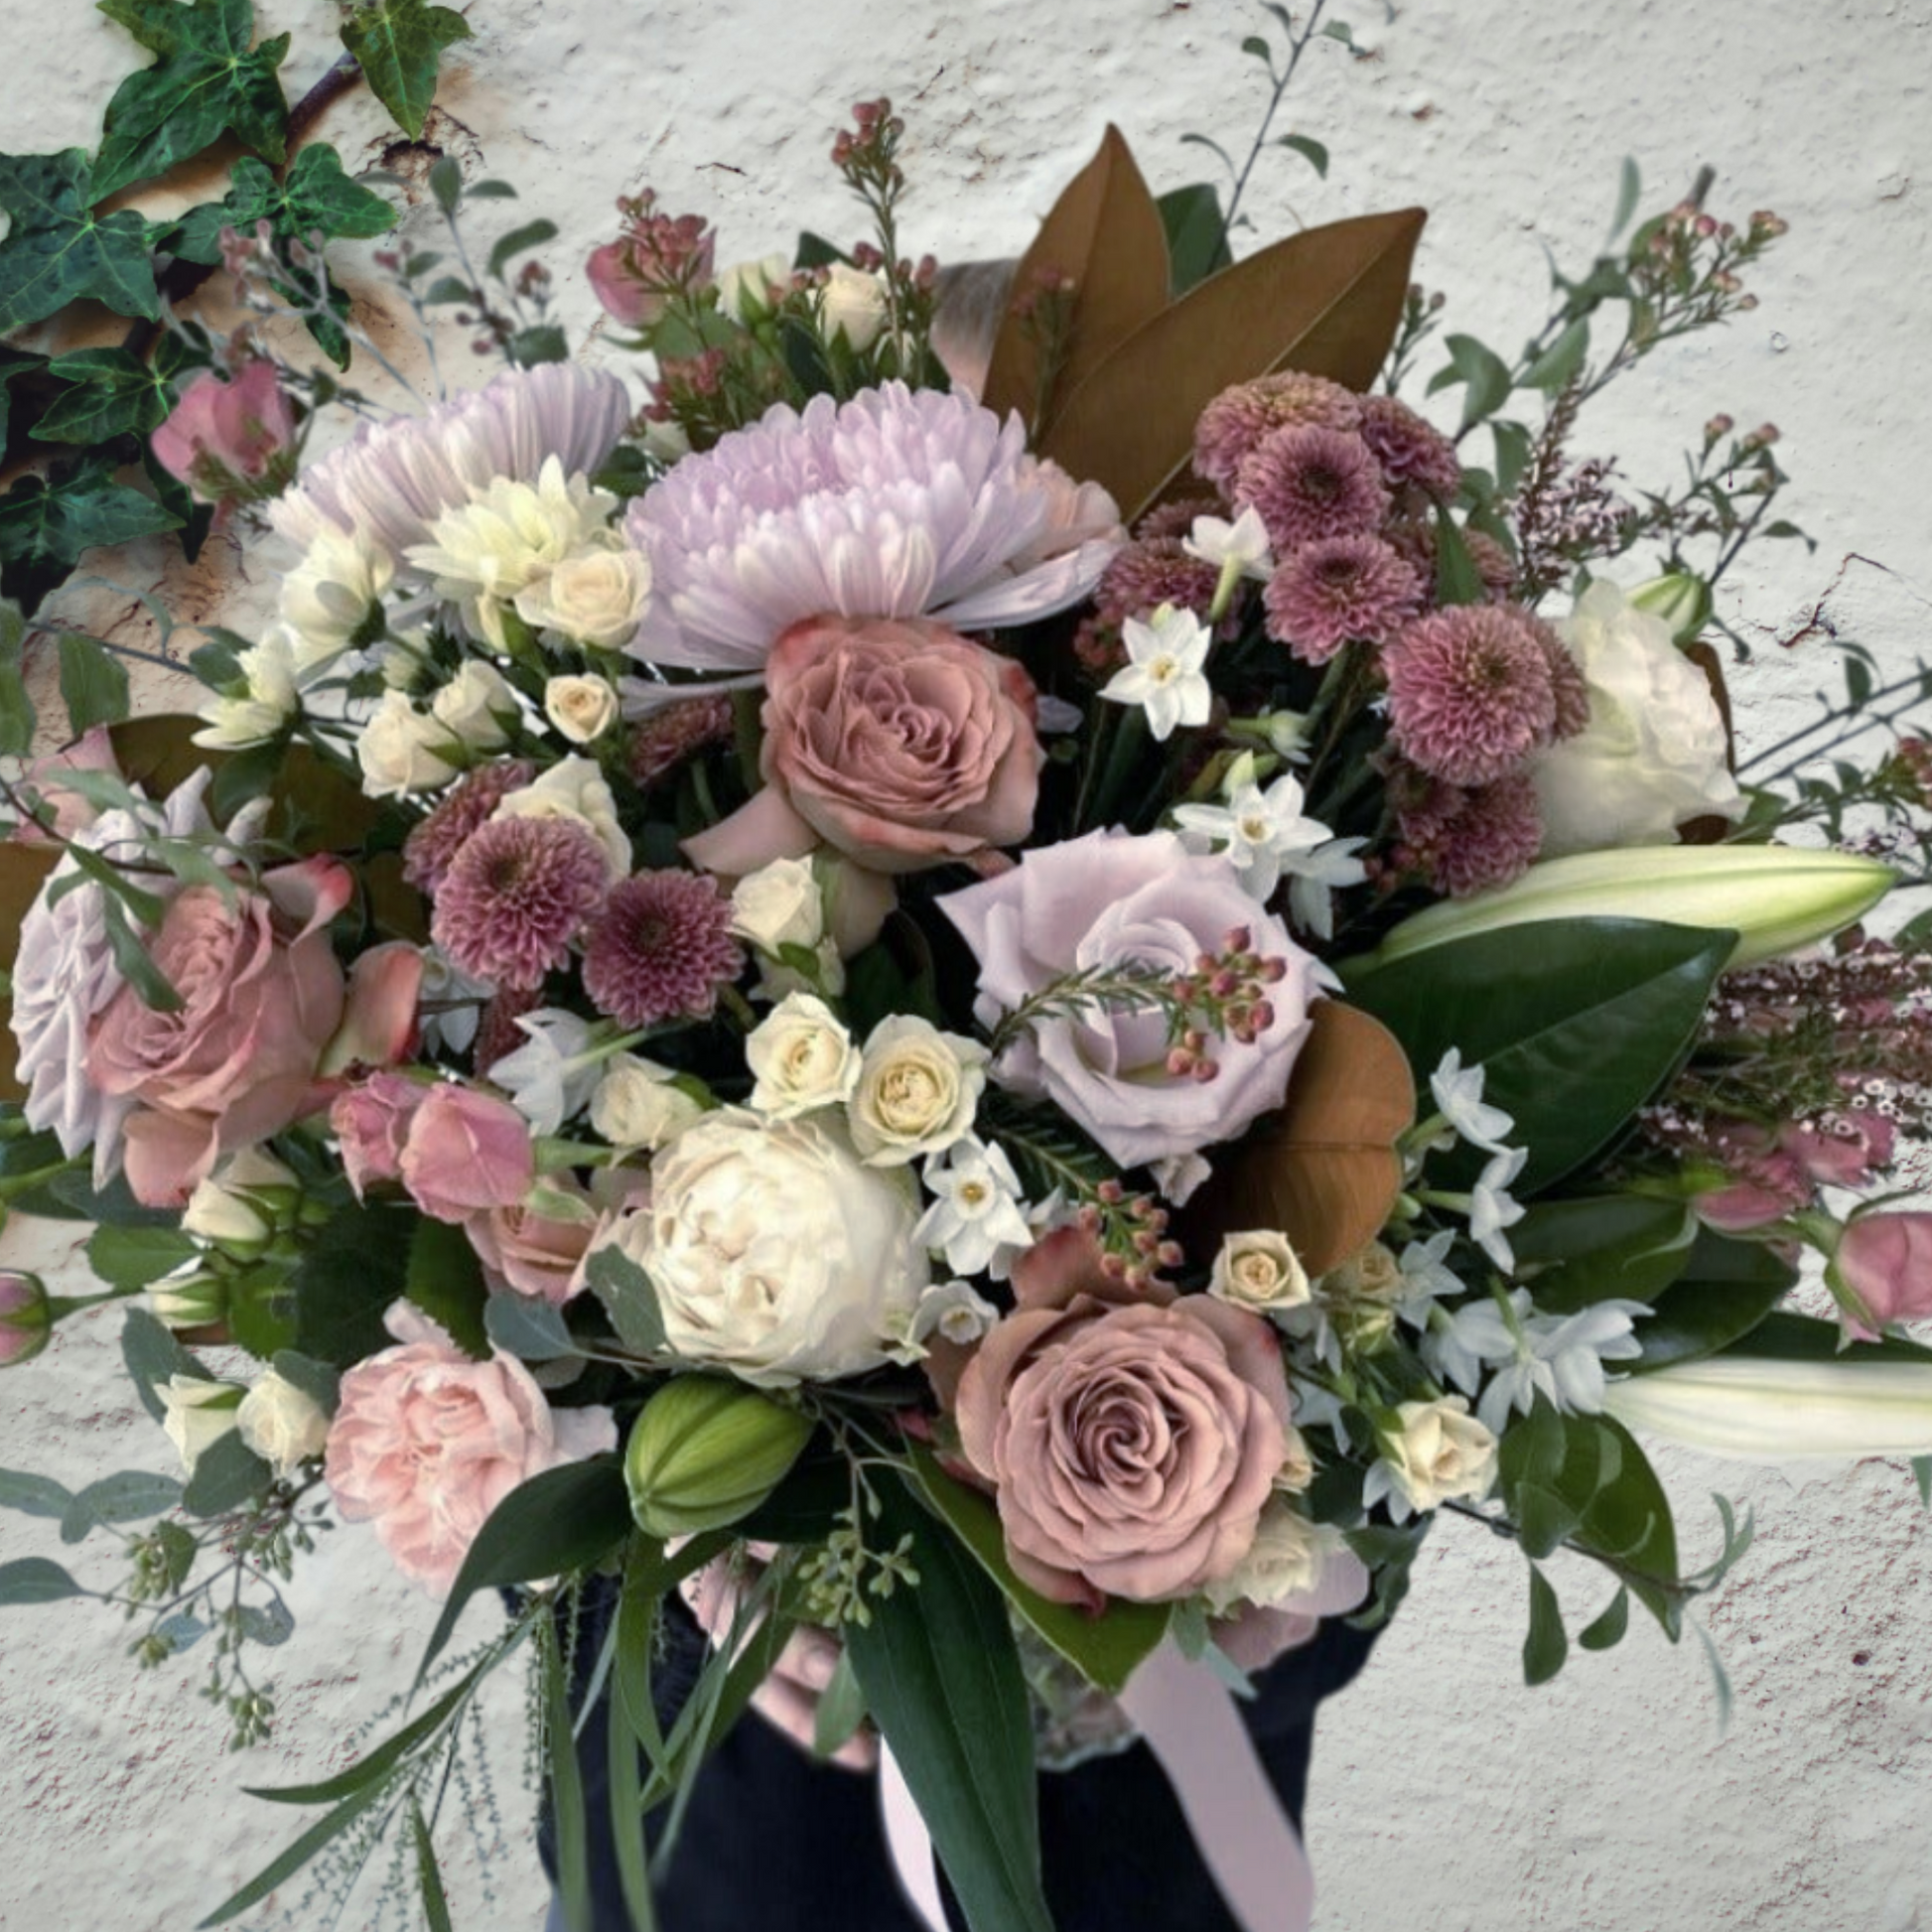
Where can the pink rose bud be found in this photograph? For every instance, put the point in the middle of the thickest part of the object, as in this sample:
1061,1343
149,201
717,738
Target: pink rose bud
616,284
1882,1271
26,1321
231,441
465,1153
1842,1160
372,1121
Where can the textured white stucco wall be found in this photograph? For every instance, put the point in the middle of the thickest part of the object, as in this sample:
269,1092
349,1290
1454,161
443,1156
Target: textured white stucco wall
1444,1793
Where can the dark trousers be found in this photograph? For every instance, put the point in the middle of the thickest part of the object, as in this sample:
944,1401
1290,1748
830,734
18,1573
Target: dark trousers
772,1842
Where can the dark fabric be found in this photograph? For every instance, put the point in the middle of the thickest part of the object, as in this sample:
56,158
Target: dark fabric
775,1843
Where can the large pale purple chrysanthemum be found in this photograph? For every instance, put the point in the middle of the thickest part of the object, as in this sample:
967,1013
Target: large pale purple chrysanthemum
515,897
660,949
392,479
1471,693
895,503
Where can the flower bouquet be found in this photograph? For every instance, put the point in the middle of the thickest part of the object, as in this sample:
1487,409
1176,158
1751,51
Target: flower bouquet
1029,946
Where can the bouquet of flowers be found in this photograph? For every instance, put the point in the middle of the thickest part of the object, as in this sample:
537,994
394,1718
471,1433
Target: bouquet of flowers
1029,946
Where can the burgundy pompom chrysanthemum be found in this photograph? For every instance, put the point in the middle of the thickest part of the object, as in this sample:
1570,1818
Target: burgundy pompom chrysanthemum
1475,840
1325,593
661,948
1313,483
1146,573
1409,450
1470,693
430,846
677,732
515,895
1236,423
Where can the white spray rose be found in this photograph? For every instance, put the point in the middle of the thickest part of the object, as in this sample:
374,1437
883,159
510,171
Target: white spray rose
1441,1453
1286,1561
595,598
637,1104
774,1253
852,304
398,750
1259,1271
474,706
779,904
281,1424
918,1092
802,1059
580,708
198,1414
574,789
237,1204
745,287
1653,753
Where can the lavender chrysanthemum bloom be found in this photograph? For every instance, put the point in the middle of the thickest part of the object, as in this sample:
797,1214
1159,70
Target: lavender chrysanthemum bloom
1410,450
895,503
432,845
661,948
1239,420
1341,588
1472,840
1311,483
392,479
1470,693
515,895
669,736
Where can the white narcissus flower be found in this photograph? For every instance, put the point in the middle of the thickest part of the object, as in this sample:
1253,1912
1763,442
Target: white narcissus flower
580,708
917,1091
574,789
1653,753
1440,1453
802,1058
1238,549
1457,1092
1259,833
1492,1209
638,1104
474,706
551,1076
852,304
1259,1271
977,1219
1165,671
596,598
197,1414
281,1424
401,751
270,702
955,1311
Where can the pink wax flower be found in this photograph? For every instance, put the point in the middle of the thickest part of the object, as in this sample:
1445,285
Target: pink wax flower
1882,1271
897,742
656,257
230,442
1110,900
1843,1154
261,995
425,1443
26,1321
526,1251
372,1121
465,1153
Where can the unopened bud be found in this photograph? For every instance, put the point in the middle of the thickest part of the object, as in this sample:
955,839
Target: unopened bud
706,1452
26,1320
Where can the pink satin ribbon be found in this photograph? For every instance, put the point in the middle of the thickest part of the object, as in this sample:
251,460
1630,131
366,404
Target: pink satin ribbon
1189,1719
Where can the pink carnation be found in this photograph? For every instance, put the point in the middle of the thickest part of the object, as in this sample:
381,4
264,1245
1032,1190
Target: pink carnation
1313,483
1472,693
1339,589
425,1443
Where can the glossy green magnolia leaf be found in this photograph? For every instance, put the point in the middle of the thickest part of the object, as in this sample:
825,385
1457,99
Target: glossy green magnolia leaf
1726,1291
1603,1247
110,393
1107,1649
315,197
1804,1338
941,1678
58,250
57,519
207,82
399,45
1576,1023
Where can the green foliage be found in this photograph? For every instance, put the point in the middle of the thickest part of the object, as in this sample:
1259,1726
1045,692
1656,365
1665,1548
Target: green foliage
207,82
398,44
58,250
36,1579
1196,234
17,716
316,197
356,1268
228,1474
445,1281
110,393
1546,1647
152,1356
53,520
1600,1248
1727,1290
131,1497
628,1300
94,683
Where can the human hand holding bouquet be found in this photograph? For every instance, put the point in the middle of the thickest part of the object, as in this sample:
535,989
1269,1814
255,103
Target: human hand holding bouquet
1060,1008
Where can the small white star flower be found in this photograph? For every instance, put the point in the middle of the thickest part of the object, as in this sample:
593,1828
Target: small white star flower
1238,549
1492,1209
977,1210
955,1311
1458,1099
552,1075
1165,674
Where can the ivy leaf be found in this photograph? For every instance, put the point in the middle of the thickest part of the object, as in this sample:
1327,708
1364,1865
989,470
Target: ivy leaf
397,44
112,393
205,84
317,196
13,362
53,519
59,250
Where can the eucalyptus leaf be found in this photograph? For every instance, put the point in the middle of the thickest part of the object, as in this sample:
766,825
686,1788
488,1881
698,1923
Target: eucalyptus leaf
34,1495
524,1327
36,1579
1196,234
228,1474
628,1299
520,242
152,1356
1546,1647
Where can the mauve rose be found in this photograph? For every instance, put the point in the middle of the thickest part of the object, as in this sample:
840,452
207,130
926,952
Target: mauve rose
372,1121
260,995
425,1443
465,1153
1133,1445
1112,900
531,1252
379,1020
1842,1160
1885,1261
897,740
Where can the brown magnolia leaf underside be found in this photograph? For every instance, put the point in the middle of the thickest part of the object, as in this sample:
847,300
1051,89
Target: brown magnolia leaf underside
23,871
1712,828
1105,235
1324,1169
1326,301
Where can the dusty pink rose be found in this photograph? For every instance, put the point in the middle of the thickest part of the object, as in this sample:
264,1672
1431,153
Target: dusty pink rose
1884,1264
227,440
379,1020
1845,1157
1110,900
897,740
425,1443
92,751
260,996
465,1153
532,1253
1132,1444
372,1121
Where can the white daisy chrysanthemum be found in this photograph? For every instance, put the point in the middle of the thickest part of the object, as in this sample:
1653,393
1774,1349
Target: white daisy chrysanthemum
895,503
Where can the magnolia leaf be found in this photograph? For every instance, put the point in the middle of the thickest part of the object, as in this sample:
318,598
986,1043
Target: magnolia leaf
1106,238
1711,828
59,250
397,44
1324,1169
207,84
1326,301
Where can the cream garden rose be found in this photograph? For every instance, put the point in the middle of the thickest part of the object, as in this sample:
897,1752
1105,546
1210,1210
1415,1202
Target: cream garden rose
638,1104
574,789
917,1091
280,1423
197,1412
401,751
802,1058
474,706
1441,1453
580,708
852,304
1258,1270
237,1205
596,598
